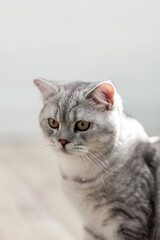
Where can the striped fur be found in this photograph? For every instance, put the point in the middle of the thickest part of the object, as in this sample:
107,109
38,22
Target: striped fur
111,172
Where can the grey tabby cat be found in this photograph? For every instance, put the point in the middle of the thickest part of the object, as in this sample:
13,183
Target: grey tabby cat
110,167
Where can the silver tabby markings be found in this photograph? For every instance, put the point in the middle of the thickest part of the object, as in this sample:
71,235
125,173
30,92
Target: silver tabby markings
110,167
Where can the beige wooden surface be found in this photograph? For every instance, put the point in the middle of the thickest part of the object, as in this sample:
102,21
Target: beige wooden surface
32,204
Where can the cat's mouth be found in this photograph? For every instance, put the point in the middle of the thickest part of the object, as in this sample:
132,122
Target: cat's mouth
65,150
72,151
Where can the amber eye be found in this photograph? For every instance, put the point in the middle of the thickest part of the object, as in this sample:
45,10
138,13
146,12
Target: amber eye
82,125
53,123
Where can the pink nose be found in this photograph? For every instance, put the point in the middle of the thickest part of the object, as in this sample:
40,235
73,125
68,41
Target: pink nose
63,142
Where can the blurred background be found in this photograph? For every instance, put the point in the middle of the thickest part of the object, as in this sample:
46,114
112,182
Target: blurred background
65,40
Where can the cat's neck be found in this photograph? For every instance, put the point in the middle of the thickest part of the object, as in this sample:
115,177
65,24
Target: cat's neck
131,130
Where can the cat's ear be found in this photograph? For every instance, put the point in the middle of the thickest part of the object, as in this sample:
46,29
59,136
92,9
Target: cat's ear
46,87
102,95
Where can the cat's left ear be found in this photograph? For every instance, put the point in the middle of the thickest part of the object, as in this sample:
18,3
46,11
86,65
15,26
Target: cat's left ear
103,95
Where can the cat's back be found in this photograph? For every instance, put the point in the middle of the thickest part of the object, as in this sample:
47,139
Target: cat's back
156,220
156,145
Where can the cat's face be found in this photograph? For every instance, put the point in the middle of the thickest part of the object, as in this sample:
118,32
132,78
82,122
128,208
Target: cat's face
79,118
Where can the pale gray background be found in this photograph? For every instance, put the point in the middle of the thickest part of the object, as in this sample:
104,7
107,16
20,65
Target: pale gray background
78,40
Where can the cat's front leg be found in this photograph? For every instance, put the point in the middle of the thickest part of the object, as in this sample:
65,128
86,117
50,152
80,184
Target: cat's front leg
87,237
132,233
122,234
90,234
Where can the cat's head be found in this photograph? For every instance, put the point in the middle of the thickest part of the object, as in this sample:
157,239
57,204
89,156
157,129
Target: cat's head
80,117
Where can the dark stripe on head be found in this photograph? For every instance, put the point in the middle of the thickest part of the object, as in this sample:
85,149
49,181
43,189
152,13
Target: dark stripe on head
75,105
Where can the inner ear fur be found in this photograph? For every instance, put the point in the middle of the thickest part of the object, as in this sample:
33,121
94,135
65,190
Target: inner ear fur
103,94
46,88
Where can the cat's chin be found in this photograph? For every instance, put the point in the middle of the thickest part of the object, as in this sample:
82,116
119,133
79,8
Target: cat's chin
67,152
71,152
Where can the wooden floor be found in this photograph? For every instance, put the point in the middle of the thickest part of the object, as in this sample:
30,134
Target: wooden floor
32,205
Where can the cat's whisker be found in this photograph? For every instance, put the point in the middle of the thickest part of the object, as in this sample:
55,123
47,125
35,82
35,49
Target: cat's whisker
91,163
100,160
94,162
96,168
101,164
104,159
116,139
82,163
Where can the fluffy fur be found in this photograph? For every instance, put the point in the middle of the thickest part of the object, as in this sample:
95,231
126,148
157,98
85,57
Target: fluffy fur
109,172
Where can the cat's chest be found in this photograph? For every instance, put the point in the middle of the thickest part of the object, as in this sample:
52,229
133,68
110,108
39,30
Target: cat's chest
94,212
78,194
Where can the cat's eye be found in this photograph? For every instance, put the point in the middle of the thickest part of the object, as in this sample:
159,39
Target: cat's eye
82,125
53,123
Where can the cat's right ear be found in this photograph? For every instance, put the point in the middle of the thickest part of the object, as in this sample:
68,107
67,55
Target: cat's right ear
45,87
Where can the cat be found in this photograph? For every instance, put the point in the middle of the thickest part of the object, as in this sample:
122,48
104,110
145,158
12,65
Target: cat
110,168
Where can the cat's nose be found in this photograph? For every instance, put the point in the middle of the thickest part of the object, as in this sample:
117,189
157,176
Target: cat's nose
63,142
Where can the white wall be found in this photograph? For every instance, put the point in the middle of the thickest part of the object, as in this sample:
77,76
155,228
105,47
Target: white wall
78,40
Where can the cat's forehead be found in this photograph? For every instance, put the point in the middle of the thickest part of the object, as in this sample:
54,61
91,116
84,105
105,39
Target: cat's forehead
75,90
71,108
69,104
